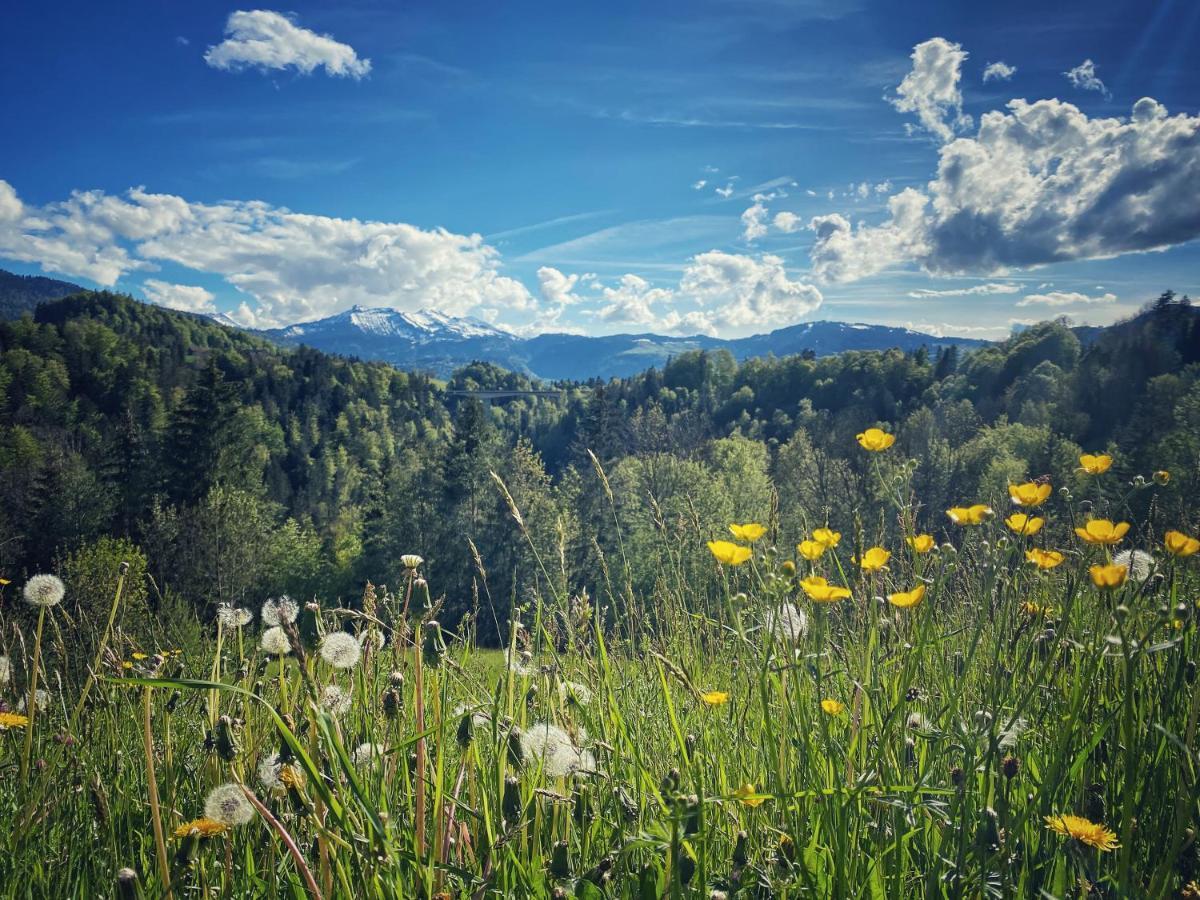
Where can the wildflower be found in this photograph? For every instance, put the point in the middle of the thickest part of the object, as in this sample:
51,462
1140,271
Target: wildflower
1023,524
787,623
41,701
833,707
44,590
811,550
907,599
1029,494
366,755
1179,544
970,515
1010,766
276,642
827,537
201,828
12,720
1109,576
574,692
279,611
714,698
341,650
411,561
921,543
1102,532
230,616
821,591
335,700
5,671
750,532
1162,477
1095,464
1033,609
1083,830
554,749
728,553
372,639
874,559
749,796
1139,563
268,771
1044,559
875,440
228,805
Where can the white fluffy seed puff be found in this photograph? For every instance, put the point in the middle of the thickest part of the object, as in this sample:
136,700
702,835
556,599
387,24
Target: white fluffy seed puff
228,805
44,590
341,650
279,611
276,642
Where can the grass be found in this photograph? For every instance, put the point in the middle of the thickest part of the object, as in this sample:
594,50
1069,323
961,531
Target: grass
586,759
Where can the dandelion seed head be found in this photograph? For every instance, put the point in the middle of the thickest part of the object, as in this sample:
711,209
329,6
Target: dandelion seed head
230,616
573,691
367,754
268,771
276,642
411,561
5,671
372,639
228,805
279,611
787,623
335,700
44,590
1139,564
340,650
554,750
1011,733
917,722
41,701
518,661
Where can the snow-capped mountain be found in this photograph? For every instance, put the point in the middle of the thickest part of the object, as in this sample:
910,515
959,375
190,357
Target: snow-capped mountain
432,341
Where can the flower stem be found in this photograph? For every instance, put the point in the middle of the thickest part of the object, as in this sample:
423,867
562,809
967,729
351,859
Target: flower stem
31,702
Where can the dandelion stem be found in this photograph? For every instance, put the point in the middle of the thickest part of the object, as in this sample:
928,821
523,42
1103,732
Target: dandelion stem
31,702
160,844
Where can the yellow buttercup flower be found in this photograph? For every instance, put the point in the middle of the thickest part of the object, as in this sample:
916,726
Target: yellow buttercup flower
907,599
922,543
833,707
714,698
1032,609
1102,532
1023,524
1044,559
12,720
1179,544
1084,831
827,537
1029,494
1095,463
1162,477
1109,576
821,591
728,553
810,550
874,559
201,828
876,440
748,795
750,532
970,515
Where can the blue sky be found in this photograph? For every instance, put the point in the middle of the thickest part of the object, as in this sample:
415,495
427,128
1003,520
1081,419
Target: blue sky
726,166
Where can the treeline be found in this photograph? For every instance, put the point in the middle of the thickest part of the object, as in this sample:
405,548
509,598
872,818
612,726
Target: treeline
228,469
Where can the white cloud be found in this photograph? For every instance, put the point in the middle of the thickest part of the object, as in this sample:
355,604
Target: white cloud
725,192
265,40
1040,183
556,288
1064,298
293,266
975,290
883,187
754,219
787,222
744,291
998,71
930,89
699,185
1084,77
631,301
186,297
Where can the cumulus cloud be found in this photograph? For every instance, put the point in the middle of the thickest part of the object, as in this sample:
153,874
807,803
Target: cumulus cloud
263,39
998,71
787,222
1064,298
630,301
557,288
930,90
291,266
725,192
741,290
1005,287
754,219
1084,77
1040,183
186,297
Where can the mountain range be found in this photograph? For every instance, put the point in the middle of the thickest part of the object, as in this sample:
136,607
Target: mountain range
435,342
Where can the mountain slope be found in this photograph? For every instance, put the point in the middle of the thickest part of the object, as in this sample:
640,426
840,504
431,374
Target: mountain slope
22,293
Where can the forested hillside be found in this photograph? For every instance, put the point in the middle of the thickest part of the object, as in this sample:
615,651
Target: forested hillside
234,469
